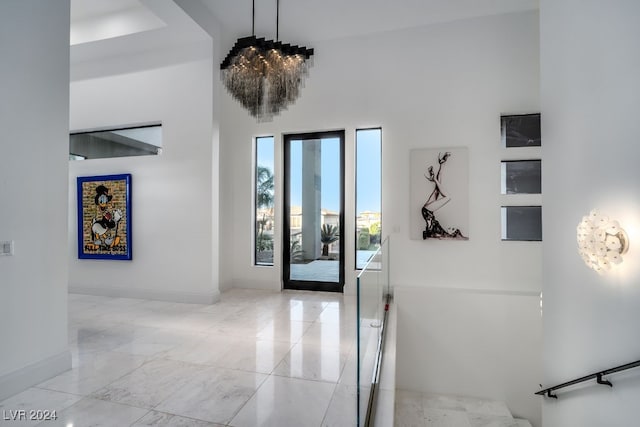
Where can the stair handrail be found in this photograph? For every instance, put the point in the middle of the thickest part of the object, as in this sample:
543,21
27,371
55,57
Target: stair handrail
598,376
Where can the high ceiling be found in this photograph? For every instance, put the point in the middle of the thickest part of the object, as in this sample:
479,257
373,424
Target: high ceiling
100,27
85,9
111,28
306,21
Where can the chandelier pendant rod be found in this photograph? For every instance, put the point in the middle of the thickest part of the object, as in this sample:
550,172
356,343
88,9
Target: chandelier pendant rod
277,20
253,18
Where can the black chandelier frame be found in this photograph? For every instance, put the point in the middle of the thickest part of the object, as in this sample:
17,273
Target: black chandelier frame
264,45
265,76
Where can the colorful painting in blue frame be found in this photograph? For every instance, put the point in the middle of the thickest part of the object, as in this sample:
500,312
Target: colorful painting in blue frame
104,217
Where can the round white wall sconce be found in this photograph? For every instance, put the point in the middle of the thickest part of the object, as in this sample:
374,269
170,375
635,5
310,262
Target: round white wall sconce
601,241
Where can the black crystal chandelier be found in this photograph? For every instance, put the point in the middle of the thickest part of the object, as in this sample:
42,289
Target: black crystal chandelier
265,76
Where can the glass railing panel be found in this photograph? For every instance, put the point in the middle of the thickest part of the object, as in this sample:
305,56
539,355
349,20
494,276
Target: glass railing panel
372,291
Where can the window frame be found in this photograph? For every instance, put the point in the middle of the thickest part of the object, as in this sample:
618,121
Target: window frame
355,192
256,141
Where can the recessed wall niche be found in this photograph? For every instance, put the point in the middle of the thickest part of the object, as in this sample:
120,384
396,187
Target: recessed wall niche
521,177
520,130
522,223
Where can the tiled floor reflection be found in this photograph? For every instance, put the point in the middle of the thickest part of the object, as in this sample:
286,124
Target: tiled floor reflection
254,359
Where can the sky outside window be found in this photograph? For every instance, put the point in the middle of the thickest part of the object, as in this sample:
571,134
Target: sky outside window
368,169
329,171
368,193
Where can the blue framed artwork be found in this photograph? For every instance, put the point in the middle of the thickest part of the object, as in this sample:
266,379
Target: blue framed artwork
104,217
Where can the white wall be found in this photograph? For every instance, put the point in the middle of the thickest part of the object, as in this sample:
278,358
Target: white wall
435,86
174,244
483,344
590,63
34,113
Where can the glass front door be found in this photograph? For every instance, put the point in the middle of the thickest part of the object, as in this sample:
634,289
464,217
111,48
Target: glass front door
314,211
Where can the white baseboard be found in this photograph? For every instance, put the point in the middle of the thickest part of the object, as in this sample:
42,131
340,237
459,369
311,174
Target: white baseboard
152,294
17,381
267,285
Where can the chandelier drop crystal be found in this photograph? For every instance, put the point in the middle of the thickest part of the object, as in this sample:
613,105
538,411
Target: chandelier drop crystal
265,76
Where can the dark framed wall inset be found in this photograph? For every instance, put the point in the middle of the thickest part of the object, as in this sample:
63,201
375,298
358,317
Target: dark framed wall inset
523,223
521,177
520,130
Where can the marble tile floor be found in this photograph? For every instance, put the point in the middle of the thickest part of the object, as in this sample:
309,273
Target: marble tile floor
434,410
256,358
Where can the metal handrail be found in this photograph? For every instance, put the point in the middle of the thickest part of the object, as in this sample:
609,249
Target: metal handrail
597,376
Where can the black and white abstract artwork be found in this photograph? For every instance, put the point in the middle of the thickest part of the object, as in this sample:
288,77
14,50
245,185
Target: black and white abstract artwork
440,194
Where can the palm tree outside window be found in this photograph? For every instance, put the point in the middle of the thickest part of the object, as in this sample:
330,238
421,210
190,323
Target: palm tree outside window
264,201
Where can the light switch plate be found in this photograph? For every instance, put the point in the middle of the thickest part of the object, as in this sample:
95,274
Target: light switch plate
6,247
